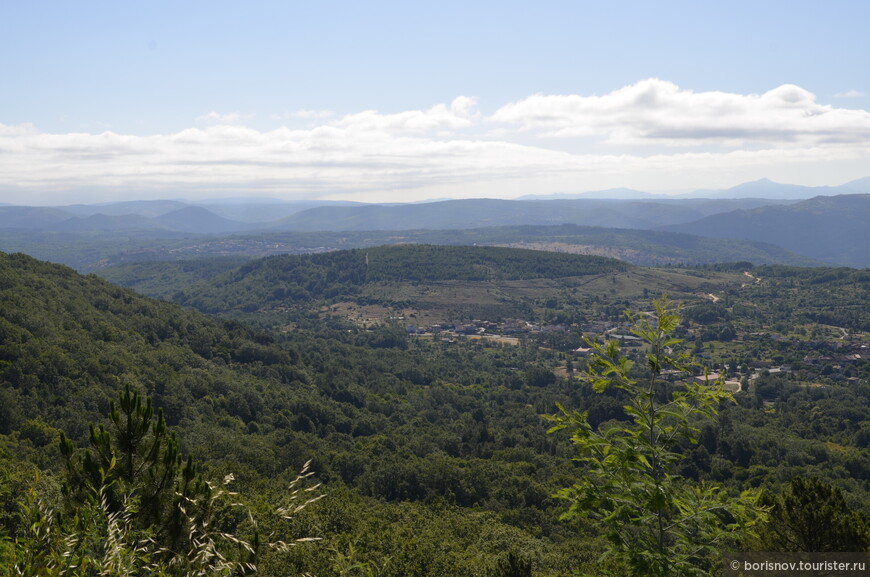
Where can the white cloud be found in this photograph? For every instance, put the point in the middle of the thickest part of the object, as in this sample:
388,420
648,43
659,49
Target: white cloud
17,130
454,150
849,94
462,113
659,112
216,118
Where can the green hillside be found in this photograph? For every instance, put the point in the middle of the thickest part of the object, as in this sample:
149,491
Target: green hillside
433,449
431,263
438,284
293,280
70,342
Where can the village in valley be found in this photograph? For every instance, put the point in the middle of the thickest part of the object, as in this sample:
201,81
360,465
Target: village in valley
826,356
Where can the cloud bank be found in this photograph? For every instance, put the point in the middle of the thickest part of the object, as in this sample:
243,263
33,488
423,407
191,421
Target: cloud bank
651,134
656,111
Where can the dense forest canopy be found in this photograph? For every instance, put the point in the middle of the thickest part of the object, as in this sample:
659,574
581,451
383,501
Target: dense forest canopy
437,439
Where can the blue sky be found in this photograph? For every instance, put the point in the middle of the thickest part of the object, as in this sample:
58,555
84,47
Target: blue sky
386,101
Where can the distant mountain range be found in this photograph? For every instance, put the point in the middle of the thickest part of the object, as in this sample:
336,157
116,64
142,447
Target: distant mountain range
620,208
478,213
769,189
829,227
154,215
833,229
764,188
442,215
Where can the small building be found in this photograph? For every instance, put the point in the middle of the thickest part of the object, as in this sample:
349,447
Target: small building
708,379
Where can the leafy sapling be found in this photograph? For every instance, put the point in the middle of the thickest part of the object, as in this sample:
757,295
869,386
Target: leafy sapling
656,522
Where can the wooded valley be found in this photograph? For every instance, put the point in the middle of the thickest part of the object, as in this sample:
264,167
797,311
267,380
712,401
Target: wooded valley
421,383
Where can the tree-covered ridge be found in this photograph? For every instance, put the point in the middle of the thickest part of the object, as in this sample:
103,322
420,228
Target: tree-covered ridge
68,342
164,278
422,263
429,262
736,296
288,280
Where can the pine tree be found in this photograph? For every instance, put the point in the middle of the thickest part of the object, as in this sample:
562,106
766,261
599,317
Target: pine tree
137,459
134,507
813,516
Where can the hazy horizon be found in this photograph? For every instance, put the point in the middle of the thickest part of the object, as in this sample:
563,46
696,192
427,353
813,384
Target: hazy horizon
146,196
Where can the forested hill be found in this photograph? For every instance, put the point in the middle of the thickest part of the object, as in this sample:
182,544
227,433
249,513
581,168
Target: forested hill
420,263
288,279
68,343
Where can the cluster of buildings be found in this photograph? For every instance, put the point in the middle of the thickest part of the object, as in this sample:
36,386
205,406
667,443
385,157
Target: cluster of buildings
481,327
